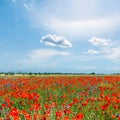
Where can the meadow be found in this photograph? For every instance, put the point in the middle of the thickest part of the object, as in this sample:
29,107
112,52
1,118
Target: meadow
60,98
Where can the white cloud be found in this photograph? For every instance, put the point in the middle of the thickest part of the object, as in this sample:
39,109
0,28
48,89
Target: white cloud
100,41
109,48
104,46
69,17
105,50
82,26
28,7
95,52
91,51
45,53
114,55
53,40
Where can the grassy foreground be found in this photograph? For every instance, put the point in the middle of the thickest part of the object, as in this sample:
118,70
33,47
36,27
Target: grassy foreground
60,98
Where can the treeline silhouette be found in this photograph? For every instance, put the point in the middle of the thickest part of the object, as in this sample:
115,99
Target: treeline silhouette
49,73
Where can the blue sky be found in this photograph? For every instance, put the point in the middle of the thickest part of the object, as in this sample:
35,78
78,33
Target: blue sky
60,36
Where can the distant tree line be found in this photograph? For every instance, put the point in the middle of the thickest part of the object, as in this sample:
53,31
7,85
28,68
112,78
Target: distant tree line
49,73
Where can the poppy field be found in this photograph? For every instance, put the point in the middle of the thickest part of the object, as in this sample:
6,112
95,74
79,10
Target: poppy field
60,98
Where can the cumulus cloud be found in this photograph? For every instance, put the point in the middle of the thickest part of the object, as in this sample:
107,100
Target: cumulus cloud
104,46
45,53
109,48
53,40
100,41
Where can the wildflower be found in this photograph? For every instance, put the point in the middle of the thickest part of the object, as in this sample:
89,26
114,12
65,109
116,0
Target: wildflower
85,103
116,106
80,116
104,107
28,117
3,105
67,111
14,112
36,107
66,118
113,116
75,100
37,116
59,114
